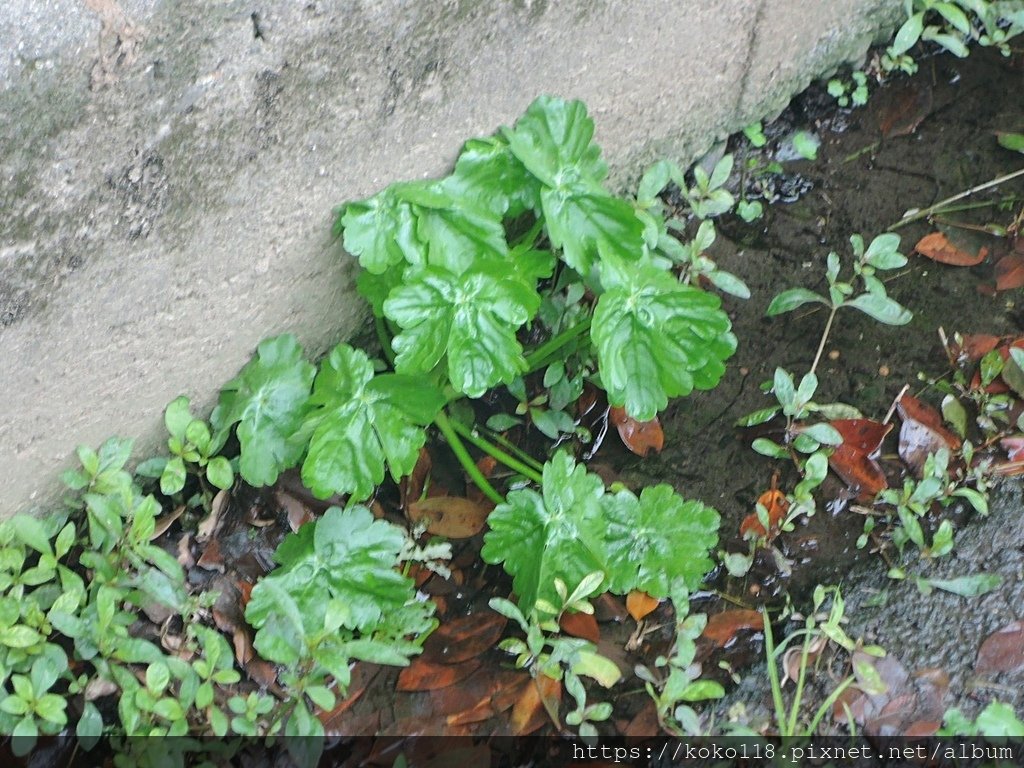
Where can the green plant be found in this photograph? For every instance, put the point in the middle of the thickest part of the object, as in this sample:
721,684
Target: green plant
996,719
818,630
674,684
543,651
852,92
194,448
953,25
917,498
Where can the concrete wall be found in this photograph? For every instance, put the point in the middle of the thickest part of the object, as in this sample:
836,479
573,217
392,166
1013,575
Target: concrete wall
169,168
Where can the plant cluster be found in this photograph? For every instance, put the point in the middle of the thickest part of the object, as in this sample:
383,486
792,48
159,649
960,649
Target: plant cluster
518,276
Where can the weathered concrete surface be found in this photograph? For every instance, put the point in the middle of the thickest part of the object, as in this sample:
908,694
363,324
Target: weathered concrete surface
169,168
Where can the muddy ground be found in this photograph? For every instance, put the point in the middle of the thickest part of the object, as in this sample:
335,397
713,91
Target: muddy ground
863,182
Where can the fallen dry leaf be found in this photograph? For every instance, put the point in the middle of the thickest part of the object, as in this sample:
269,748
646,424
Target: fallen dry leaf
641,437
640,604
1002,651
644,723
298,513
363,674
217,507
904,108
1014,447
723,627
411,487
792,659
464,638
937,247
212,559
852,460
1009,272
164,522
450,516
529,712
423,675
243,646
582,625
774,501
975,346
922,433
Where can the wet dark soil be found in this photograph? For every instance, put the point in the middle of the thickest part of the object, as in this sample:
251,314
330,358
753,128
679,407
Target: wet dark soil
871,169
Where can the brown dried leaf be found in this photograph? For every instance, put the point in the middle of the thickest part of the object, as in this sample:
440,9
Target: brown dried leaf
641,437
363,674
852,460
975,346
423,675
937,247
212,559
922,433
411,487
450,516
644,723
582,625
904,109
298,513
723,627
640,604
217,508
1010,272
185,558
243,646
1002,651
464,638
164,522
529,712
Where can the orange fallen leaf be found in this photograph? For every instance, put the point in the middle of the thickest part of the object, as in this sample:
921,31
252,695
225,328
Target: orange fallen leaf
1010,272
423,675
937,247
775,502
852,460
641,437
640,604
582,625
450,516
411,487
723,627
464,638
529,712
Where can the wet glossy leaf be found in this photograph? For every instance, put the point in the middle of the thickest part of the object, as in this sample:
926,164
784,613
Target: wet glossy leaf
362,423
471,319
641,437
450,516
657,338
267,399
554,140
937,247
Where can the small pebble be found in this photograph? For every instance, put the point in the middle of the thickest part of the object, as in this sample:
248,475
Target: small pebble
833,355
883,370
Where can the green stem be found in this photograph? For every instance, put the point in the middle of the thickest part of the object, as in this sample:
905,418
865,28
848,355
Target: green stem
494,451
801,679
773,675
540,356
522,455
531,236
459,449
385,340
